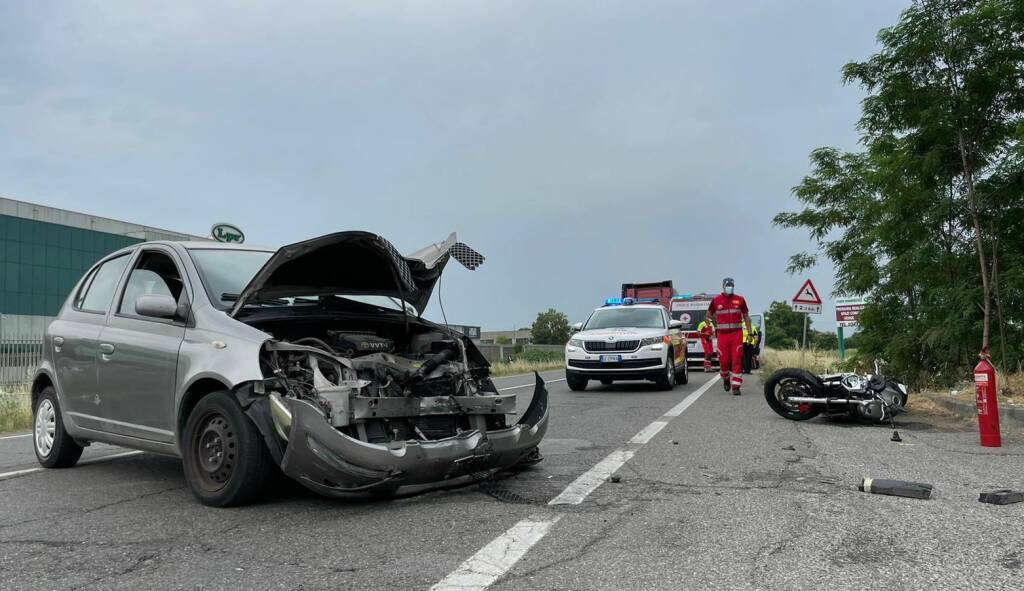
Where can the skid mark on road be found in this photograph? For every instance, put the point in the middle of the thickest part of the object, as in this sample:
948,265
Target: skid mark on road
499,556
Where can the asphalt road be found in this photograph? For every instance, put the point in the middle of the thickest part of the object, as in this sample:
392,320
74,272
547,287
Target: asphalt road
720,493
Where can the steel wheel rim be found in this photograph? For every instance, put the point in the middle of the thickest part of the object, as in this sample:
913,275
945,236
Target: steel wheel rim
45,427
214,448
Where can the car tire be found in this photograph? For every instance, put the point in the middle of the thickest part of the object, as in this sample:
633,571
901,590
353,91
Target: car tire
53,446
576,384
225,459
684,378
666,379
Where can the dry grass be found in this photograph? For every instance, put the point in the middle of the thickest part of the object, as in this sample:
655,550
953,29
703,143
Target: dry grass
817,362
517,367
15,411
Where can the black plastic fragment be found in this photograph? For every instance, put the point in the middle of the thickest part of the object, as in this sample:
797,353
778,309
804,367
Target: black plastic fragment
896,488
1003,496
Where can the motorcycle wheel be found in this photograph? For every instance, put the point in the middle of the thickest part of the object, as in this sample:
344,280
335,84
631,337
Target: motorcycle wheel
793,382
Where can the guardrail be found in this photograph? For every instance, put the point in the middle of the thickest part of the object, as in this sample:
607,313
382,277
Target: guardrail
19,358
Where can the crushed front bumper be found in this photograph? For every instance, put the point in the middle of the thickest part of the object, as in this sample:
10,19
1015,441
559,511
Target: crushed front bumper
332,463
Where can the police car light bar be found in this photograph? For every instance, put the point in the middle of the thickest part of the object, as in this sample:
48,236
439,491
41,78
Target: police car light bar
630,301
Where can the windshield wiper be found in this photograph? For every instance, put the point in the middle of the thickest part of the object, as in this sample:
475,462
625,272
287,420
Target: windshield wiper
233,297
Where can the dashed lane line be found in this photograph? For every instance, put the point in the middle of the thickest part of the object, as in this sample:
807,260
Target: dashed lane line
15,436
529,385
16,473
498,557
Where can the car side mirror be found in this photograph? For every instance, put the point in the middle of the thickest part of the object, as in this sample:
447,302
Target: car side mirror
675,325
156,306
578,326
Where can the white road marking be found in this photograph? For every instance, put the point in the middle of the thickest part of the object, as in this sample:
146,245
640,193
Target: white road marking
648,432
685,404
495,559
529,385
15,436
591,479
16,473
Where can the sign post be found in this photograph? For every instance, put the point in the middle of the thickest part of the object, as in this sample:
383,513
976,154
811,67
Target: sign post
847,313
807,301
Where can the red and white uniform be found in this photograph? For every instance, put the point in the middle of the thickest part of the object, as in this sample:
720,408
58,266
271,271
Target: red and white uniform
728,312
706,332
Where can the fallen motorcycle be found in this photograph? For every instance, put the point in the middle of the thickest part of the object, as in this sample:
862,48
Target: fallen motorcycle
798,395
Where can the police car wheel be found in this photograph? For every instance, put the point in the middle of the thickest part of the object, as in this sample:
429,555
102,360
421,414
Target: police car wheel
684,378
667,378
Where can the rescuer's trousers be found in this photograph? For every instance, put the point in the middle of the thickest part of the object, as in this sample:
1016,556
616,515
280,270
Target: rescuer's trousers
730,356
709,349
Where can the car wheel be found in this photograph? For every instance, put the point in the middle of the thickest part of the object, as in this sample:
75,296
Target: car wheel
606,381
54,447
225,459
684,378
667,379
576,384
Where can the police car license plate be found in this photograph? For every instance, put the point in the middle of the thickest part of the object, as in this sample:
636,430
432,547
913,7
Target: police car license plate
611,358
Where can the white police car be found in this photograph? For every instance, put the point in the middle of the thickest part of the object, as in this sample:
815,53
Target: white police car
627,339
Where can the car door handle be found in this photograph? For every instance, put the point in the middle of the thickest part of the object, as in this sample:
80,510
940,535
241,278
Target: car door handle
106,348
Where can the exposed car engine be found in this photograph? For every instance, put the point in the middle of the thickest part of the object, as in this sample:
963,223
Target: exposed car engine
364,382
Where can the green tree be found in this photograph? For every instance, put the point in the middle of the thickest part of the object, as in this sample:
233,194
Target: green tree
551,328
925,219
784,327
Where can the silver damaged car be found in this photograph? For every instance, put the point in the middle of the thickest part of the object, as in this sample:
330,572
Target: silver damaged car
313,358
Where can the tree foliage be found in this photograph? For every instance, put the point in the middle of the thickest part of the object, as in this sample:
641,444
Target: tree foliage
926,219
551,328
784,327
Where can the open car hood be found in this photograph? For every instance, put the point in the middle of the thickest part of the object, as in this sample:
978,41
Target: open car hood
355,263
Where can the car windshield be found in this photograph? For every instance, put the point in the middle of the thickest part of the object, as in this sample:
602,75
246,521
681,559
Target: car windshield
626,318
226,271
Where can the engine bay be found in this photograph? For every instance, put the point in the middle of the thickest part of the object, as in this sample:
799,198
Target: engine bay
384,383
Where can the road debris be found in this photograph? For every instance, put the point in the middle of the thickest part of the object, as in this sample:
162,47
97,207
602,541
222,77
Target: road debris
896,488
615,478
1002,496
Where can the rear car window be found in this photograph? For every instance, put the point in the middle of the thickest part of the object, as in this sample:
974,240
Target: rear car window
100,291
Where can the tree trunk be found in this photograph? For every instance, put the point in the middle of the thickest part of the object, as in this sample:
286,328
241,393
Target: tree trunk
979,243
999,300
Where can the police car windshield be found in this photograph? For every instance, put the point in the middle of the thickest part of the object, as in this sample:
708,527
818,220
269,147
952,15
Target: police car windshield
626,318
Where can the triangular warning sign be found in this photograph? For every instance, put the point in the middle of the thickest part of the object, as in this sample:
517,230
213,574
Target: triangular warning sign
808,294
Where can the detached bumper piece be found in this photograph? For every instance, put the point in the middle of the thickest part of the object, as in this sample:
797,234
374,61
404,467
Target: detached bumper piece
334,464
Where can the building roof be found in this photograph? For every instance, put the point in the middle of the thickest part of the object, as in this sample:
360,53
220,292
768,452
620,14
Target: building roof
74,219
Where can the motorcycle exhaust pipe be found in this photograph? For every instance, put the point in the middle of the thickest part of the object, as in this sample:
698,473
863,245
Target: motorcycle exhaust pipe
806,400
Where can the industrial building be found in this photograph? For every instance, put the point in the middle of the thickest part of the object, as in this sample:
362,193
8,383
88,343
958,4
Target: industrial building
45,250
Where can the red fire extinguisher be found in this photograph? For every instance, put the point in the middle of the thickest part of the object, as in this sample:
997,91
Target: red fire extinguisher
988,404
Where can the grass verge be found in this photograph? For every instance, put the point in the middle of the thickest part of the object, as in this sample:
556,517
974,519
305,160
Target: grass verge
15,411
510,368
816,362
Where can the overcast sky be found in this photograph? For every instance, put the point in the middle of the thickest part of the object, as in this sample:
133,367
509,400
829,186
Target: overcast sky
577,145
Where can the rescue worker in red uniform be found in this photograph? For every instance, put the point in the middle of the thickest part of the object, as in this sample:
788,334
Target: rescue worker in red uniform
706,330
731,316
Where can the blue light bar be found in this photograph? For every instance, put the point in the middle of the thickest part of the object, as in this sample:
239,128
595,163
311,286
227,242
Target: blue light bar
646,301
613,302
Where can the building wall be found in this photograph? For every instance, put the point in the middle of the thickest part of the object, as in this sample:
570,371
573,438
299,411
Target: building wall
41,261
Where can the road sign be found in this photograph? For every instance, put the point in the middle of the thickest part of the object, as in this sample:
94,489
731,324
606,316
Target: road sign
808,294
848,310
807,299
806,308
